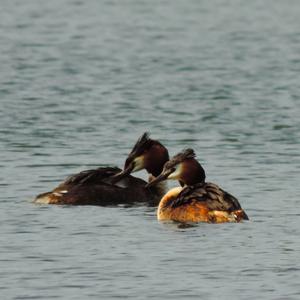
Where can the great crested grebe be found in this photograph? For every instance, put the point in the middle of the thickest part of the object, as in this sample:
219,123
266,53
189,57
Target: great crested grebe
113,186
197,200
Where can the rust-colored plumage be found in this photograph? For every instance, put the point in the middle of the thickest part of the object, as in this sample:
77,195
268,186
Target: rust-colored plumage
204,202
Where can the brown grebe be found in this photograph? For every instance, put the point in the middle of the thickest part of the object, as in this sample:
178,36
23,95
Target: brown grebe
111,185
197,200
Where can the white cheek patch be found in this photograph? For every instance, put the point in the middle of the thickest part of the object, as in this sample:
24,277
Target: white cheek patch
138,163
176,173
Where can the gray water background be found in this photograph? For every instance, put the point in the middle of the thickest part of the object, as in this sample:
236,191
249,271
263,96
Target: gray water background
81,80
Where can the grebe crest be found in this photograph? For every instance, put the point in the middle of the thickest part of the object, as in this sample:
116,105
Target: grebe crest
146,154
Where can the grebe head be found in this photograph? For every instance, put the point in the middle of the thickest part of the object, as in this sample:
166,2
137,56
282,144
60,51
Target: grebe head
182,167
146,154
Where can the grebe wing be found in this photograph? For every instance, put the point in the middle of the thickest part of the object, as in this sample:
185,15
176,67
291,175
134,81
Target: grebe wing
102,175
214,197
91,176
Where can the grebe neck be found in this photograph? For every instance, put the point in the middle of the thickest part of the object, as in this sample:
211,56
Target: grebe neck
161,187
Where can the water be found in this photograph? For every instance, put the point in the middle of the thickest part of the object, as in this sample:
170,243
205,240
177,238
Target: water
81,80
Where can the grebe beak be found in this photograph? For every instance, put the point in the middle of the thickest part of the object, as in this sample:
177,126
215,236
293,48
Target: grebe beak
119,176
163,176
131,165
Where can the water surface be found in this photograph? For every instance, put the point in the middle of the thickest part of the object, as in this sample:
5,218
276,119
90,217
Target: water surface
81,80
